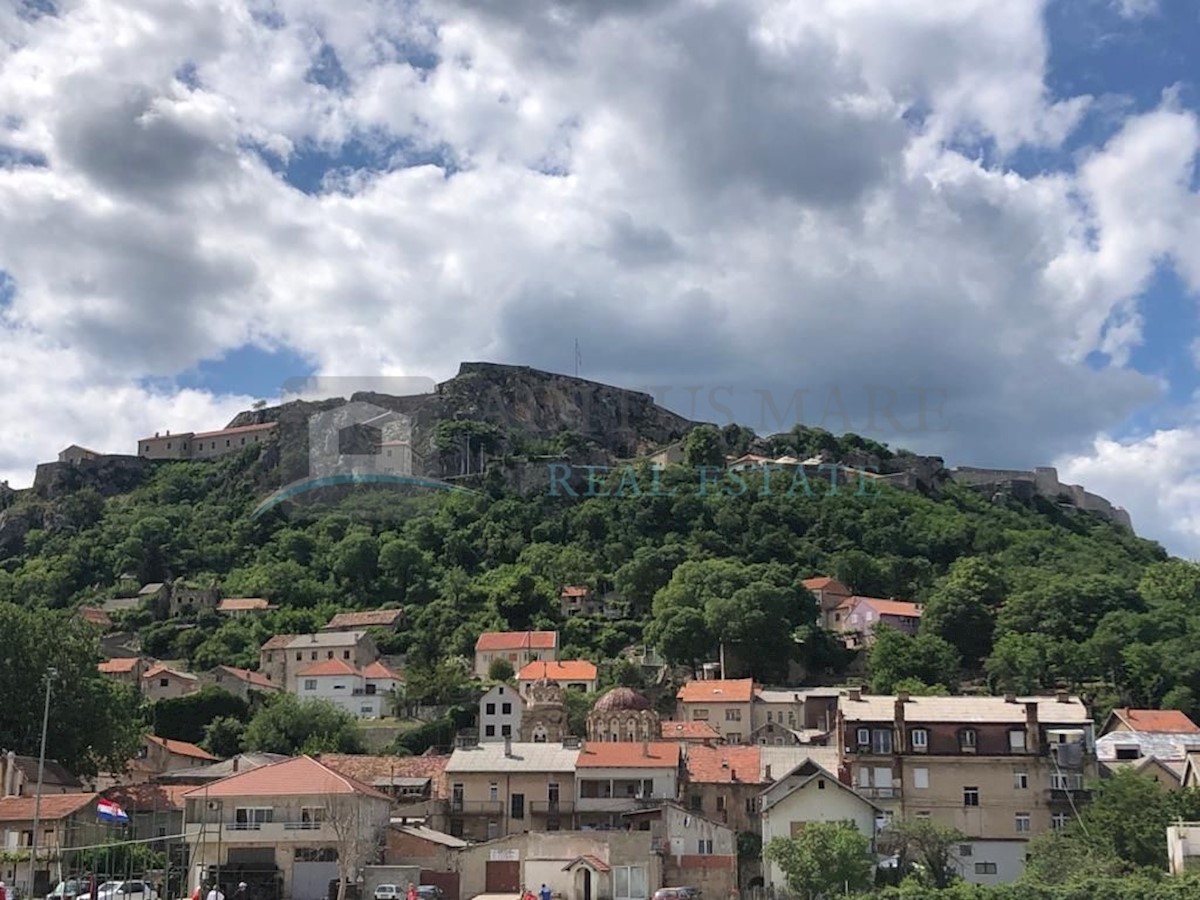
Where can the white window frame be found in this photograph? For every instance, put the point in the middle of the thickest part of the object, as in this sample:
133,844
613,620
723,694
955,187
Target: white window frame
920,740
1023,823
1020,781
921,778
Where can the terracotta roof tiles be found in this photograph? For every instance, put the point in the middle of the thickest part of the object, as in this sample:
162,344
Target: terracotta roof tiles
53,807
181,748
739,690
120,666
491,641
688,731
724,765
328,667
300,776
383,618
629,755
565,670
1171,721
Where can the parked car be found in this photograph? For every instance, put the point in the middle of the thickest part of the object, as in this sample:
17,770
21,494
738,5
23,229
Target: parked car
430,892
122,890
388,892
68,890
677,893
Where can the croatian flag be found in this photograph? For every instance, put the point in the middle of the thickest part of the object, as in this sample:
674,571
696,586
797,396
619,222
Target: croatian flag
107,811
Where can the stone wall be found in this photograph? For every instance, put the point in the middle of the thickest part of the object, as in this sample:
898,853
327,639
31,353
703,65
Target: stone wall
1043,481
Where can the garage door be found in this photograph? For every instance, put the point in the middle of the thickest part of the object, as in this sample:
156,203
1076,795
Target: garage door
310,880
503,876
447,881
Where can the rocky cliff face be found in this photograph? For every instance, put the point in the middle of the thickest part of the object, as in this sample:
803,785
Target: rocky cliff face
107,475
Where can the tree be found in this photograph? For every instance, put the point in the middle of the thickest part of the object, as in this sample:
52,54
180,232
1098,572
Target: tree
358,824
896,656
289,725
703,447
223,736
827,858
187,718
501,670
94,721
933,845
962,608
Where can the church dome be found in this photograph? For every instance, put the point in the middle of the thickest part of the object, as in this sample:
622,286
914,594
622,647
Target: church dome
622,699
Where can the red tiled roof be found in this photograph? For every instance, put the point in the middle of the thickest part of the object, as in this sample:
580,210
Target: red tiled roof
565,670
379,669
242,604
149,797
278,642
160,670
53,806
181,748
576,590
724,765
738,690
329,667
628,755
299,776
889,607
516,640
367,769
688,731
95,616
385,618
121,666
1170,721
825,583
241,429
254,679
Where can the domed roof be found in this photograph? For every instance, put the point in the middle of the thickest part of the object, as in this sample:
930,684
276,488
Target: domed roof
622,699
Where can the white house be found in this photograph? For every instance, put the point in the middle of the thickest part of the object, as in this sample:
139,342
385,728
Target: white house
615,777
366,693
500,712
806,794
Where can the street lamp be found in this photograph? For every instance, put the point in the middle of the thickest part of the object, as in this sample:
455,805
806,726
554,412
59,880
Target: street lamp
51,673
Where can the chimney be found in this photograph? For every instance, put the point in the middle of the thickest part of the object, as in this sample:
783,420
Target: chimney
235,764
855,694
508,746
1033,738
1063,696
10,773
901,730
1010,698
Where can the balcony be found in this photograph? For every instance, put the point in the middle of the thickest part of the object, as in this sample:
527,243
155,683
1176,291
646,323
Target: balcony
879,793
476,807
259,832
560,808
1065,795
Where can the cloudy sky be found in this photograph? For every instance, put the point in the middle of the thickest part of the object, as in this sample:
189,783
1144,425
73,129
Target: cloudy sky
966,227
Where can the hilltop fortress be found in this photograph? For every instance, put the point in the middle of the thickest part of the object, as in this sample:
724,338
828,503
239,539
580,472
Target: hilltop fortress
1041,482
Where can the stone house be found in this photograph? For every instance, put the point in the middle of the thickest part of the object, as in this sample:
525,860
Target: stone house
64,820
205,444
727,705
154,810
696,851
505,788
386,619
242,683
126,669
235,607
435,852
830,594
283,656
18,777
95,616
517,647
284,824
723,783
161,682
189,600
76,454
579,600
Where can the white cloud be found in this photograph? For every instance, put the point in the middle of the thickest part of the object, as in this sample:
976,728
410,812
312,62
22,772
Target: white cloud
1136,9
763,194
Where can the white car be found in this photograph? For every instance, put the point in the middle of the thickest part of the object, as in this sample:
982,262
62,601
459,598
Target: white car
122,890
388,892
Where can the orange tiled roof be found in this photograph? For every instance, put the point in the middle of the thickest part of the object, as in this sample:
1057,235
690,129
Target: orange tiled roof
576,590
737,690
329,667
157,671
181,748
724,765
628,755
254,679
121,666
299,776
565,670
1170,721
385,618
242,604
241,429
53,807
516,640
367,769
825,583
688,731
890,607
379,669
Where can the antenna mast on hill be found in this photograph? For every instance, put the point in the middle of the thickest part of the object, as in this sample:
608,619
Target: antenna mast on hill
578,358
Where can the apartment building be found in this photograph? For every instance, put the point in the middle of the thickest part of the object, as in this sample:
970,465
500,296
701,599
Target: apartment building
617,777
282,657
999,769
726,705
499,789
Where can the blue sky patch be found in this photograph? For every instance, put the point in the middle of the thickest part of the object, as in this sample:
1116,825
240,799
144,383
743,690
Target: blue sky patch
308,166
247,370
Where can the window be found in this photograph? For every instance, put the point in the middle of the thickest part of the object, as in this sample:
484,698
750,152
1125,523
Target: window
704,846
697,803
1016,741
329,654
920,740
920,778
970,796
985,868
966,740
314,656
252,818
489,709
1058,821
923,814
517,806
863,737
493,791
752,806
1065,781
720,803
299,656
506,709
164,682
699,715
366,710
881,741
493,830
311,817
820,784
310,684
489,731
1128,751
965,850
315,854
734,737
1021,821
629,883
345,654
769,717
733,715
505,731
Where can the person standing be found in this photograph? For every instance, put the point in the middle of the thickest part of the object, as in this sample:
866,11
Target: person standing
215,893
412,892
545,893
3,891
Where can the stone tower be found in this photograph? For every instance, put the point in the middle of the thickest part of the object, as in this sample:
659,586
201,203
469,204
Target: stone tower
545,718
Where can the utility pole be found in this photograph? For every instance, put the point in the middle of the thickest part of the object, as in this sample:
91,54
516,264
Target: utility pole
37,797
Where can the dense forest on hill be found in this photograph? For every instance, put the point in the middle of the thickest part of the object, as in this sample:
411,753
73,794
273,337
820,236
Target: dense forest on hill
1026,597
